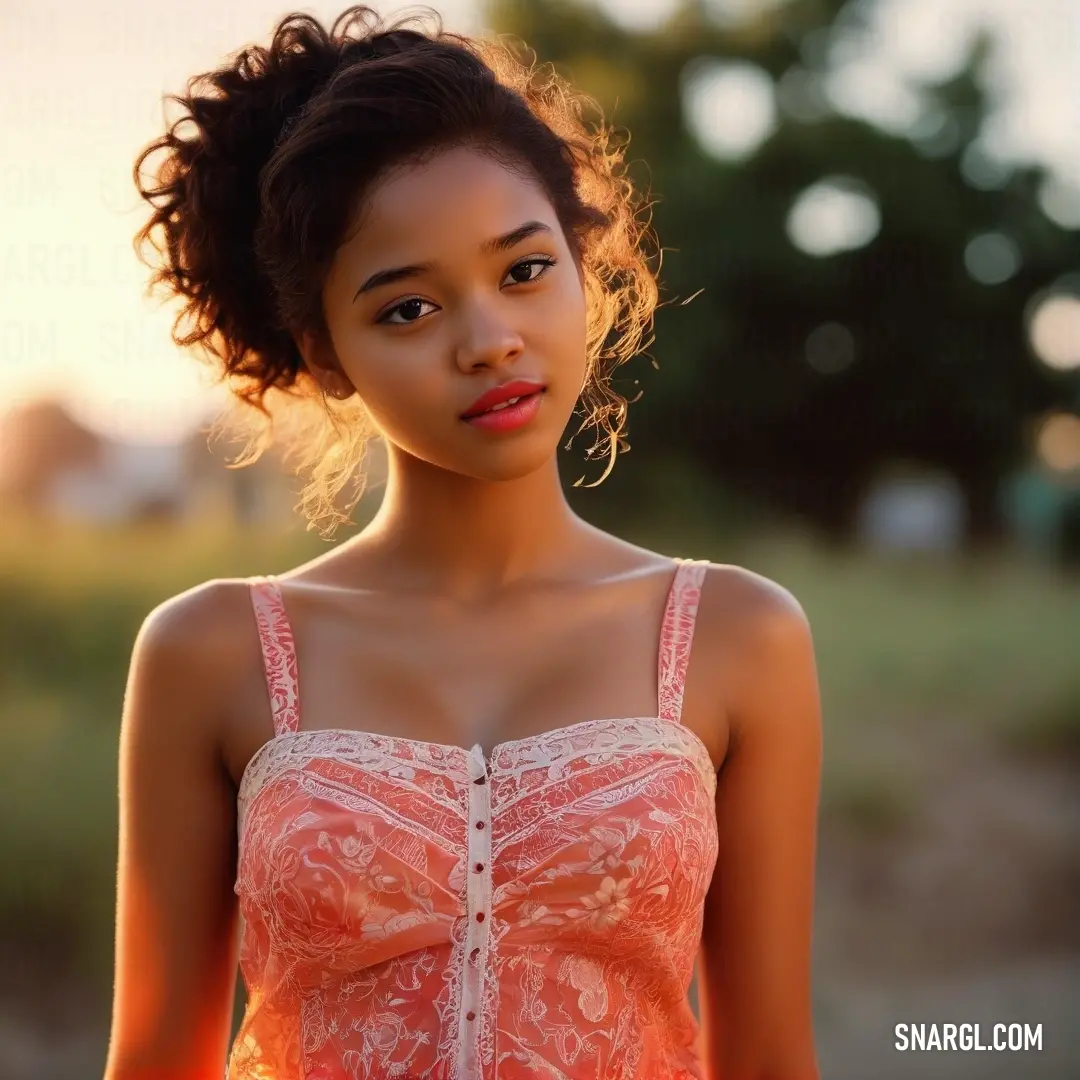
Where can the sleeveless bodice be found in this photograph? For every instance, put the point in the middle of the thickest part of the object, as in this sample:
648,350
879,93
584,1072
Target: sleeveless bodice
418,910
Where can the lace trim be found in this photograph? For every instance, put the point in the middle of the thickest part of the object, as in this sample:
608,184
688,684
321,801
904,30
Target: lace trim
677,636
279,653
401,758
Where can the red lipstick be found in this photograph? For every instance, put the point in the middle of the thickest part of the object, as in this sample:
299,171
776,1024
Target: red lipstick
505,407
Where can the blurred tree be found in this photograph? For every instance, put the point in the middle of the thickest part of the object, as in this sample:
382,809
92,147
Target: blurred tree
797,376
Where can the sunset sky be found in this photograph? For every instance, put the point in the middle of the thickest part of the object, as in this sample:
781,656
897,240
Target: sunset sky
80,93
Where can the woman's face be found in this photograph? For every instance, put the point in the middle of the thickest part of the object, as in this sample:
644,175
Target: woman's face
459,279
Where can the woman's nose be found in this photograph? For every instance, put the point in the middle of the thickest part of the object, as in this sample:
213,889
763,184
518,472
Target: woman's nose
486,340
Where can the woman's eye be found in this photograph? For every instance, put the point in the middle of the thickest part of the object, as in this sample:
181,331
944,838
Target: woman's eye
413,309
522,272
410,310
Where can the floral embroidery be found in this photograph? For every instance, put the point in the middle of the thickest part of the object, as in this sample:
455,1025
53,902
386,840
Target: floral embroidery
359,898
605,907
586,976
607,846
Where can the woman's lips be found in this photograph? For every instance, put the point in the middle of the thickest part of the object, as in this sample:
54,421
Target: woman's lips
501,394
508,417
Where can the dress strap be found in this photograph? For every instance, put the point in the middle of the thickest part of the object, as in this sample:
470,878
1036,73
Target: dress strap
677,635
278,652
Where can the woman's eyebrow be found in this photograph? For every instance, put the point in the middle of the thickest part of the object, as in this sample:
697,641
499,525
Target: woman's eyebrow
515,236
488,247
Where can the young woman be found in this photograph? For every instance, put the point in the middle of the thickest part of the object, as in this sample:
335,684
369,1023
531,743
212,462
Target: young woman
469,794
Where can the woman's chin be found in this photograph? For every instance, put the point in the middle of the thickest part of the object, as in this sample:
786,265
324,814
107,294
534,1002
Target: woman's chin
510,456
495,463
505,462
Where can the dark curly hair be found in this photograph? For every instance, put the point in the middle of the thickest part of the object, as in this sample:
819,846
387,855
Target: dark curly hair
273,153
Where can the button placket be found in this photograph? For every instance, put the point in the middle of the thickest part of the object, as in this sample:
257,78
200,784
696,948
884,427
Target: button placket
477,910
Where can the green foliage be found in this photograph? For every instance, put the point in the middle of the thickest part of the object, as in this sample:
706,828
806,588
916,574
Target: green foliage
876,806
942,372
58,830
73,599
1050,727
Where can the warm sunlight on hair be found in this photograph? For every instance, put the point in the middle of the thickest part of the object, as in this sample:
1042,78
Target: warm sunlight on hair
277,204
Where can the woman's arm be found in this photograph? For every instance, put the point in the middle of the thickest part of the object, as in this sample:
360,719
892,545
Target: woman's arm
754,971
176,921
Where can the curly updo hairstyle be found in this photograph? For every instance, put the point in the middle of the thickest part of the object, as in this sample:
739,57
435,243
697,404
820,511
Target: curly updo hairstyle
254,185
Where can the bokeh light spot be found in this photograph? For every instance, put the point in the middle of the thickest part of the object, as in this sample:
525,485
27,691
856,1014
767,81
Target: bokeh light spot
830,348
992,258
729,107
836,214
1058,441
1055,332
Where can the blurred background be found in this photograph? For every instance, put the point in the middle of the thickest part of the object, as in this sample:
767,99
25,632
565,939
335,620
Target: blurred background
865,384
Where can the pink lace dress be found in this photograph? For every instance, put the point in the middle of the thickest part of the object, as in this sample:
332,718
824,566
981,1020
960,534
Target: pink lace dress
415,910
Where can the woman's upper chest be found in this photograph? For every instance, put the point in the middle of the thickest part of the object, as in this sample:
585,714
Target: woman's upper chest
428,673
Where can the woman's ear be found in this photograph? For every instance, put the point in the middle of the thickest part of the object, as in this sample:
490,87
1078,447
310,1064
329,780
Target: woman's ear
317,353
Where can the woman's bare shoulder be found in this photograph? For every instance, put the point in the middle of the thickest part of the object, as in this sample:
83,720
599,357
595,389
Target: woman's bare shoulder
760,639
201,618
742,601
748,623
199,639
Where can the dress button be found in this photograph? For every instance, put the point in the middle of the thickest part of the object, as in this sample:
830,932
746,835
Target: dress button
473,955
470,1015
479,916
479,824
479,866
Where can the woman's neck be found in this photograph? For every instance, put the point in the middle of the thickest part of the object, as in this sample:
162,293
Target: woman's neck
466,538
